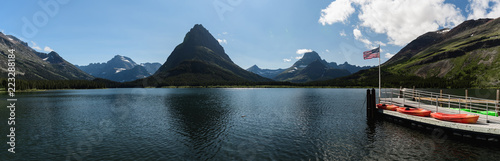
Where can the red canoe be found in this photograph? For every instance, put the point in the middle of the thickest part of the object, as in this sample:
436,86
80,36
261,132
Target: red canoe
414,111
460,118
391,107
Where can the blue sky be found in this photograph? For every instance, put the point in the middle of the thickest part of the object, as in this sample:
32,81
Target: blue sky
271,34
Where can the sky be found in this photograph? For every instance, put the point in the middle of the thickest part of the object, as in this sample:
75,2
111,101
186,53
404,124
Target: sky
271,34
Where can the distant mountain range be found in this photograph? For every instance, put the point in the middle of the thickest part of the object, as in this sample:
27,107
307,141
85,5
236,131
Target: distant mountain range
267,73
33,65
198,60
121,69
309,68
462,57
465,56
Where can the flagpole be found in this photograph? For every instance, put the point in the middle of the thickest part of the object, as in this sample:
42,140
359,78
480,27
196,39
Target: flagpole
379,76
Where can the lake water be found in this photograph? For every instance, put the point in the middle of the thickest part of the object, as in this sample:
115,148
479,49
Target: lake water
216,124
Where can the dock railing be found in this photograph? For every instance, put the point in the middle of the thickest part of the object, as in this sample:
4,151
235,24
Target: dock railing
459,104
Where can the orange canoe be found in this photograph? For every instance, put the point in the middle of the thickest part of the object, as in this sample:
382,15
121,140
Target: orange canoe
414,111
391,107
460,118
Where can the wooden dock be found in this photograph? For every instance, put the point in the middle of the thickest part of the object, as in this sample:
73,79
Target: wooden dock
487,128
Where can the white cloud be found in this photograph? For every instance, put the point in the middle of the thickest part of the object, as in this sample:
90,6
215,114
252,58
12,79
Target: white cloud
357,33
388,55
35,46
287,60
401,20
224,33
302,51
222,41
298,57
327,50
47,49
405,20
337,11
342,33
482,9
358,36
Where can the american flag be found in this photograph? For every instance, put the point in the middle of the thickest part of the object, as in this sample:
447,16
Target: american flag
375,53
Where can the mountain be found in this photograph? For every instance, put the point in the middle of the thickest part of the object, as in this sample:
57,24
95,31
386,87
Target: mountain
465,56
151,67
310,68
307,59
267,73
33,65
200,59
348,67
317,70
121,62
120,69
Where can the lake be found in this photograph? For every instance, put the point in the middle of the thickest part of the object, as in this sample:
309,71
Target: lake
216,124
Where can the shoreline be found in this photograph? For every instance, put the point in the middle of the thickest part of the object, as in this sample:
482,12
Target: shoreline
218,86
228,86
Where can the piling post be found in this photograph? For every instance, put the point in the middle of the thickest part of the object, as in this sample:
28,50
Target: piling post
368,103
373,103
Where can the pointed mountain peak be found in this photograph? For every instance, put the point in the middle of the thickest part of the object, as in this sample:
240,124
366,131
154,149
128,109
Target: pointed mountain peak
198,44
199,36
311,55
54,58
201,54
119,61
123,58
307,59
199,27
53,53
254,68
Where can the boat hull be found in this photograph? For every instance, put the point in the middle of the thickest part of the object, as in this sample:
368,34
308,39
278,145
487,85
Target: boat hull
392,107
387,107
414,111
460,118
